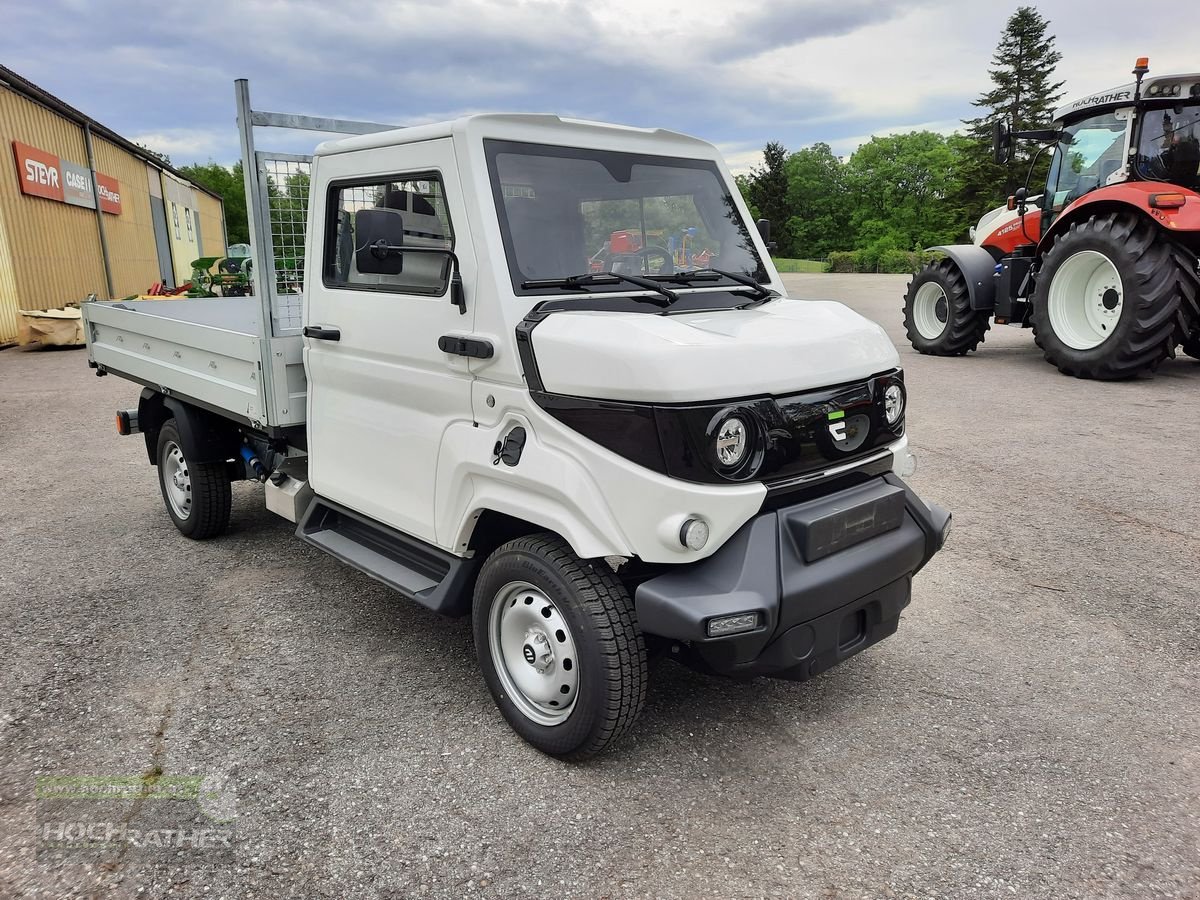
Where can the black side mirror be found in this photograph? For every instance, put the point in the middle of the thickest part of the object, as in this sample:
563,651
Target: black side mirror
1020,196
1001,143
379,241
764,231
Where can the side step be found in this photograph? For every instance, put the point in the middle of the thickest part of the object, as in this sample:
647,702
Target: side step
419,571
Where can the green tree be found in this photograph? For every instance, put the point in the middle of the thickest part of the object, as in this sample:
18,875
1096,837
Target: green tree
819,215
767,189
226,183
898,188
1023,97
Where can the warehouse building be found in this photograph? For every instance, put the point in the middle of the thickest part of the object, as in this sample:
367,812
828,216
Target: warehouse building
85,211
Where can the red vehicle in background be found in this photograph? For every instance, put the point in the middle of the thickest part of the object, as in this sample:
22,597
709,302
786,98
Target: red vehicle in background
1102,265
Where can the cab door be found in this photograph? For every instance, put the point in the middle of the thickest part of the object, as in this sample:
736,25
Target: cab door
381,393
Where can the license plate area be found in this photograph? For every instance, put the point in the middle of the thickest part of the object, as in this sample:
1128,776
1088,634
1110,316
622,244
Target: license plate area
824,526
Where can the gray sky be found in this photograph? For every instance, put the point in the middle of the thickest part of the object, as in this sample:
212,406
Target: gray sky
738,75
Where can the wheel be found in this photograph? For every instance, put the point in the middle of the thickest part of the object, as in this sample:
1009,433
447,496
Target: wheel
559,646
197,495
1109,297
937,312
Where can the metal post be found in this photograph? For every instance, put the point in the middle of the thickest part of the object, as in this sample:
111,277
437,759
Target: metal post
262,249
108,279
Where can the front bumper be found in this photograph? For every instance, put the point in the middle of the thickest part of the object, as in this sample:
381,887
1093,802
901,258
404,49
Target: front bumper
826,577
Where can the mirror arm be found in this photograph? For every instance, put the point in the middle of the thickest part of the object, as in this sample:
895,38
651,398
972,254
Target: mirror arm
458,296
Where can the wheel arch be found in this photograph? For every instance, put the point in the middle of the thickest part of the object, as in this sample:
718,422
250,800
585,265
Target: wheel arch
1181,223
977,266
205,437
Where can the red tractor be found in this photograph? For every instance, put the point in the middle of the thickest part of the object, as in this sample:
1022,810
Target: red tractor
1103,263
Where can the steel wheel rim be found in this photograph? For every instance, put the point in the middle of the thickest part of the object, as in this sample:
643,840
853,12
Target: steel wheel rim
534,653
930,310
1085,300
177,481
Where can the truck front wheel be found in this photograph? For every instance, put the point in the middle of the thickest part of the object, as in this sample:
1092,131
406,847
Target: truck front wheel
937,312
559,646
1108,297
197,495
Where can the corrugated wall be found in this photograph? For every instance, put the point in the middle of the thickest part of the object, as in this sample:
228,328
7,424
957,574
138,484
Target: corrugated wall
131,252
50,252
212,226
180,200
8,291
53,248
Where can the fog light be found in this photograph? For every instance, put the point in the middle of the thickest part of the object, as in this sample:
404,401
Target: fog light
694,534
906,464
726,625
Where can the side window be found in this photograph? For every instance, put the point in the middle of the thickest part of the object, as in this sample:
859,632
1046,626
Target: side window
187,216
379,235
175,216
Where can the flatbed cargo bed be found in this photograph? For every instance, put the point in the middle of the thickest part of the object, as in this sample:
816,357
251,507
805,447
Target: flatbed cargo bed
210,351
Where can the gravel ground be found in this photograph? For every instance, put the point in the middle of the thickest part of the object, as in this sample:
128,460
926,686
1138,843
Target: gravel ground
1031,731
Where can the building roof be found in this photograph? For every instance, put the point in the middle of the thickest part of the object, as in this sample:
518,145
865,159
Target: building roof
25,87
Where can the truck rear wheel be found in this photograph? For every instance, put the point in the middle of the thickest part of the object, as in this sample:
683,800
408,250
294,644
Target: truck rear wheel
198,496
1108,297
558,643
937,312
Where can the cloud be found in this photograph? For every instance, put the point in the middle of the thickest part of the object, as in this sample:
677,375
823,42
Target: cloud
736,74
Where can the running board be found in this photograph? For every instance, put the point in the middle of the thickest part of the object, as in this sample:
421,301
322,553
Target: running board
420,571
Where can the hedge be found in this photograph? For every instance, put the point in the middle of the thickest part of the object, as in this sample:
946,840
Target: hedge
898,262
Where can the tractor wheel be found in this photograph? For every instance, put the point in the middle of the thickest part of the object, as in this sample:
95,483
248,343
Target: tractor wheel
1110,297
938,315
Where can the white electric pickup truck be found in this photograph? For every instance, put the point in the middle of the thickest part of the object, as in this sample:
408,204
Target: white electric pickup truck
542,372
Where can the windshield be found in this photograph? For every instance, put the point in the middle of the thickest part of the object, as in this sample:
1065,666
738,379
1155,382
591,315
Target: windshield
1089,153
570,211
1169,146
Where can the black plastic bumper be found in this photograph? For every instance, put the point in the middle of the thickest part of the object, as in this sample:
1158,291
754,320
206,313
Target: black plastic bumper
827,578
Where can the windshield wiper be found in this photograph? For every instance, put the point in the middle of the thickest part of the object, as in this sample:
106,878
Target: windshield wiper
581,281
708,274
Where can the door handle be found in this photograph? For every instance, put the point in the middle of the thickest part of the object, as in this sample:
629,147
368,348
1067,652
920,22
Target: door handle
470,347
322,334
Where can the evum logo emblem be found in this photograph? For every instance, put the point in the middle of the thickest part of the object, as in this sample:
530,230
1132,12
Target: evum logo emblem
837,425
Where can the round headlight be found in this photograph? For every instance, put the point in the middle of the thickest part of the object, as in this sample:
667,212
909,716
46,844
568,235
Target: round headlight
893,403
732,441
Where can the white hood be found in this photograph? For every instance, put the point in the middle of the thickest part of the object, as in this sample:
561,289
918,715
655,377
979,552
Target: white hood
781,347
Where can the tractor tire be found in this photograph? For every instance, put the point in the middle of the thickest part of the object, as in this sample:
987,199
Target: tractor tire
1111,297
937,312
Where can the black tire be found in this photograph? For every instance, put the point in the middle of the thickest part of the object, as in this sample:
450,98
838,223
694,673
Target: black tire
205,513
1155,287
964,328
611,656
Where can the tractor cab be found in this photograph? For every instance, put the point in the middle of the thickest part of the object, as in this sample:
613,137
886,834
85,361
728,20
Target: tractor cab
1145,131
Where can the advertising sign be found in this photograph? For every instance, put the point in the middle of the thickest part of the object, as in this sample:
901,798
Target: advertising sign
77,185
44,175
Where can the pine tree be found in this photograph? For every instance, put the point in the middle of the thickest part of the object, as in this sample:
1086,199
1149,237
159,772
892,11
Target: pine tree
1023,97
768,193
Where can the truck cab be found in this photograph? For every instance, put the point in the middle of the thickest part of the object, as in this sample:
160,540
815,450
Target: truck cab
602,464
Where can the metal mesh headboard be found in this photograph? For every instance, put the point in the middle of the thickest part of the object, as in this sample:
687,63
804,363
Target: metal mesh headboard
277,208
284,181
